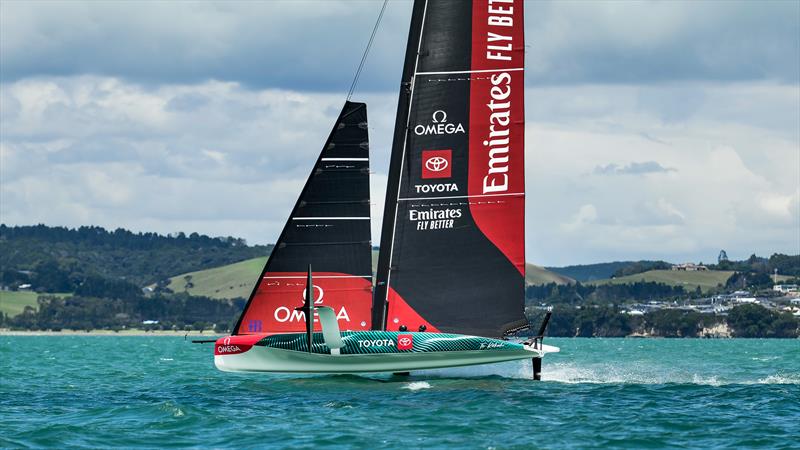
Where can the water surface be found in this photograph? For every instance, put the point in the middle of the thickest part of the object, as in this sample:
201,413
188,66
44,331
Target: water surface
107,391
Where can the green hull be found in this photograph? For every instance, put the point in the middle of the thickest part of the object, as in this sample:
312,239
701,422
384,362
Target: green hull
376,351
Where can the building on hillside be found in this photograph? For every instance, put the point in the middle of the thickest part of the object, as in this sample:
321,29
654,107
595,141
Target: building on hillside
24,287
689,267
785,288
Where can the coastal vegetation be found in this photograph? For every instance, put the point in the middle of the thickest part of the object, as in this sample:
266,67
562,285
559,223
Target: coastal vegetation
748,321
158,312
58,259
55,278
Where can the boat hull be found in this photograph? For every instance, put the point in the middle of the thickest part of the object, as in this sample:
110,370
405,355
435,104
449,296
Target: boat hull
366,352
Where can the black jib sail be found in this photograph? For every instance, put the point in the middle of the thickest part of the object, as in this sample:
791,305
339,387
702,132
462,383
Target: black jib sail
329,228
452,247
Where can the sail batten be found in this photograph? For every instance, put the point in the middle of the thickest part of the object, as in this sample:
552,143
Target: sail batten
452,249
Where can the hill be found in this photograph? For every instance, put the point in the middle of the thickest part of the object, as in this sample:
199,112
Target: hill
14,302
237,279
706,280
539,275
229,281
591,272
58,259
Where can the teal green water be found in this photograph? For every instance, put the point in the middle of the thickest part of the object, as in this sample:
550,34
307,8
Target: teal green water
95,391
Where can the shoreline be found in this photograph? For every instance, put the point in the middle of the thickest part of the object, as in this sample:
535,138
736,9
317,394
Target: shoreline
129,332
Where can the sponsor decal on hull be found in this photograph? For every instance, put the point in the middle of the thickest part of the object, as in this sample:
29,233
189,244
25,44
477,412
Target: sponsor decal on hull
233,345
405,341
387,342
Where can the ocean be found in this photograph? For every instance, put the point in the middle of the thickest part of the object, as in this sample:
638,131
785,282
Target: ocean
154,392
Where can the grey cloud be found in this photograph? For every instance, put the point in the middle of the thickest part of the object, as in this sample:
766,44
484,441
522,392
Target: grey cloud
634,168
317,45
187,102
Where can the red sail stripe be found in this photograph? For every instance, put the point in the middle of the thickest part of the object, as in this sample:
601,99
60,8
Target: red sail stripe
497,126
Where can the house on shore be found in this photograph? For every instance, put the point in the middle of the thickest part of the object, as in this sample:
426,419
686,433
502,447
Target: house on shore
689,267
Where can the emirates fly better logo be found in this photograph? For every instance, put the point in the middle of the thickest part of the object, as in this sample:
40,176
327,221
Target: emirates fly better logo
437,163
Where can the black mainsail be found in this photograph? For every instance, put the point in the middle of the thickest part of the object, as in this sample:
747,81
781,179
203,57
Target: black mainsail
329,228
452,248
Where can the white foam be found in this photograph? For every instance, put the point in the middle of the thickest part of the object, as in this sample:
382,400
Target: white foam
780,379
417,385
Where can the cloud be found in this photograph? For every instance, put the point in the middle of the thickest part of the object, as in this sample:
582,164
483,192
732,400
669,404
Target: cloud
205,117
734,181
228,161
634,168
317,45
231,160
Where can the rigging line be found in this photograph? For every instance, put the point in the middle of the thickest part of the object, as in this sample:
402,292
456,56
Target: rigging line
366,51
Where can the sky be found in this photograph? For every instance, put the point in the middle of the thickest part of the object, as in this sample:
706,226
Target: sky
654,130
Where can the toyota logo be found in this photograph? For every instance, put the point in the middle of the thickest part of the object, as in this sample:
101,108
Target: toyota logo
436,164
405,342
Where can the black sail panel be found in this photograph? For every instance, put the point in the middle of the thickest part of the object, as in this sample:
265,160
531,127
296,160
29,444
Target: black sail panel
452,249
329,228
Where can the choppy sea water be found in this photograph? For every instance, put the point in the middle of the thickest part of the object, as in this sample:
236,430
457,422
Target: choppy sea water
98,391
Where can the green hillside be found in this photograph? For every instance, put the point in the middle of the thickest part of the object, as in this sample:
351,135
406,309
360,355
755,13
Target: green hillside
14,302
539,275
229,281
689,280
236,280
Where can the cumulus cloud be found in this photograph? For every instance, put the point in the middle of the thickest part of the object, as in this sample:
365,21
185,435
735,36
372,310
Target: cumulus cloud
660,130
317,45
734,183
102,151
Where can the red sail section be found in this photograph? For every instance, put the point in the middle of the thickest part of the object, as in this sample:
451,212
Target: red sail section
274,303
497,126
402,314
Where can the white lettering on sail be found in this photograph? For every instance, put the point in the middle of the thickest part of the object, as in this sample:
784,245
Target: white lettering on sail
434,219
284,314
441,187
497,144
499,46
438,125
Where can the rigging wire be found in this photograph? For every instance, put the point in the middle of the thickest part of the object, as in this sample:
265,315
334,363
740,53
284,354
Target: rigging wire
366,51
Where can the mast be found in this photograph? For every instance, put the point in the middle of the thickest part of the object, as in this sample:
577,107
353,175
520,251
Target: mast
452,253
380,297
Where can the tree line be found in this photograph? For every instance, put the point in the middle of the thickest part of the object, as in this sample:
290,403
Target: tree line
59,259
747,321
578,293
177,311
